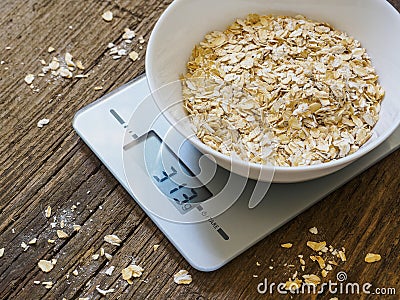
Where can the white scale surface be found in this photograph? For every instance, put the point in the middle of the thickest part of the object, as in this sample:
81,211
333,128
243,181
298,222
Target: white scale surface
103,126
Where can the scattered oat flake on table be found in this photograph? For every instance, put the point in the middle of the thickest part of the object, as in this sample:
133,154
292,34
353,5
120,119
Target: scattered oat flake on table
132,271
81,76
40,124
107,16
312,279
95,256
68,60
121,52
134,55
183,277
76,227
54,65
287,245
104,292
128,34
24,246
155,247
79,65
372,257
98,88
313,230
45,265
341,255
324,273
50,49
75,272
64,72
112,239
319,260
110,270
316,246
29,78
1,252
62,235
108,256
32,241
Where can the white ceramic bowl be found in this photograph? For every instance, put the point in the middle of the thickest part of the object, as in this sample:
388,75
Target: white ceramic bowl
375,23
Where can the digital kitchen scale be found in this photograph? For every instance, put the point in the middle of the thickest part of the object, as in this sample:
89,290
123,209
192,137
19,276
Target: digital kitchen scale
208,221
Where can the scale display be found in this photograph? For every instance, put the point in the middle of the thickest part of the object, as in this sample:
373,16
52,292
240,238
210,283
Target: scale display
171,176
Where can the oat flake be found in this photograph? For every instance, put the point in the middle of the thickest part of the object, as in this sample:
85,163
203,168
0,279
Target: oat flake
107,16
182,277
29,78
112,239
372,257
133,55
104,292
62,235
280,90
40,124
45,265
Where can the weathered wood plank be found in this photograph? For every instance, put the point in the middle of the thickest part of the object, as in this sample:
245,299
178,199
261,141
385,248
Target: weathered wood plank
52,166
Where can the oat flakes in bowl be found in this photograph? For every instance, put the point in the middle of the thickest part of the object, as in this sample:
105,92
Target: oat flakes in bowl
185,23
286,91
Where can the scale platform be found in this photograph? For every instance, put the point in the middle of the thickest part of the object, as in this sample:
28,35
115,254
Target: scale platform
127,133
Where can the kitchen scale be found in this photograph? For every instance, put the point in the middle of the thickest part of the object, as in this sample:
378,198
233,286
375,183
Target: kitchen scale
164,174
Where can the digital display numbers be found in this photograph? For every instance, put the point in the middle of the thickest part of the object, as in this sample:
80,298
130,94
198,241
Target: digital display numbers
172,177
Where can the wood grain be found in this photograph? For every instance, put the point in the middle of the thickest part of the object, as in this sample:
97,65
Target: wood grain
52,166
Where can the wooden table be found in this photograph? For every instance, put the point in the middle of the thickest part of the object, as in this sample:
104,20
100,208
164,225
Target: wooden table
51,166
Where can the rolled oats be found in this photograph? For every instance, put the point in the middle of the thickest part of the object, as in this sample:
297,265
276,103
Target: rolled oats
104,292
32,241
311,279
313,230
62,235
133,55
372,257
107,16
45,265
316,246
112,239
183,277
40,124
282,90
132,271
29,78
